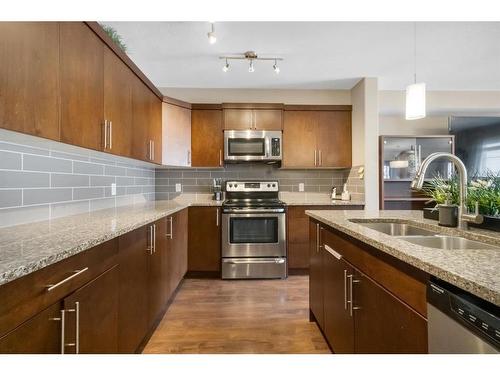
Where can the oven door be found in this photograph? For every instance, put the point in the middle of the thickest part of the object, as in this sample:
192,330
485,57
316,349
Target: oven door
253,235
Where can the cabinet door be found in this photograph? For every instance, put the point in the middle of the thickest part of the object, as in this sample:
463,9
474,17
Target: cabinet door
339,325
176,135
383,323
92,316
157,284
118,104
316,273
155,127
334,141
82,98
299,139
238,119
268,119
133,311
29,78
39,335
206,138
141,113
178,249
204,239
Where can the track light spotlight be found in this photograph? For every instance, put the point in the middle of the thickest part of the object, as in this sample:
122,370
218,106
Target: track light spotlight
211,34
225,68
251,69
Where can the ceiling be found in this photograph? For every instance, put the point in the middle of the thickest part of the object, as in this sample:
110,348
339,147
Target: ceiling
318,55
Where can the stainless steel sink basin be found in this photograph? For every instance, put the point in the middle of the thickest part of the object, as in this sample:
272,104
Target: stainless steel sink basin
398,229
447,242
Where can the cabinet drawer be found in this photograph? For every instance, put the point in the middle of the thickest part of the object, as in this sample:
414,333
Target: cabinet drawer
25,297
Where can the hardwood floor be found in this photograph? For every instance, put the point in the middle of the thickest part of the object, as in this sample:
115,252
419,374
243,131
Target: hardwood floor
218,316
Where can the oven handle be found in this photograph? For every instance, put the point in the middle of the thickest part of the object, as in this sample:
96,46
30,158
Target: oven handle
255,211
247,261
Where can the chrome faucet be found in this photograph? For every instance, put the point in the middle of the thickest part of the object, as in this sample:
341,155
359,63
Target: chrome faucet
464,217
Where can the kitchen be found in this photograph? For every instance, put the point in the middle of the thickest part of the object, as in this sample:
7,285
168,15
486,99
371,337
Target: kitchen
235,207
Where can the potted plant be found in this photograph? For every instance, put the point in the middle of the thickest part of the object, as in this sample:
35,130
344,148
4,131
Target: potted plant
485,191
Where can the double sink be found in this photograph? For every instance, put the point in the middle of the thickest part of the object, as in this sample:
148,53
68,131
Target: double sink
424,237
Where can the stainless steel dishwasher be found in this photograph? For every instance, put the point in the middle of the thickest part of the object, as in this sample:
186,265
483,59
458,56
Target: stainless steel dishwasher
459,322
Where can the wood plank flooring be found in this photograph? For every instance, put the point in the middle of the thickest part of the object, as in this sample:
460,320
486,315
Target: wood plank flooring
254,316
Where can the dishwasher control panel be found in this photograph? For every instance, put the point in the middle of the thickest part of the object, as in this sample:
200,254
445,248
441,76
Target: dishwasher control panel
480,316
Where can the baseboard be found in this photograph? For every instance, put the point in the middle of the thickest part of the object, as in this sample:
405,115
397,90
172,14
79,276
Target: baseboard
298,271
203,275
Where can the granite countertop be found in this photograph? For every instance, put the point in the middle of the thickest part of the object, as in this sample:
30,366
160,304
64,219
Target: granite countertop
315,199
29,247
476,271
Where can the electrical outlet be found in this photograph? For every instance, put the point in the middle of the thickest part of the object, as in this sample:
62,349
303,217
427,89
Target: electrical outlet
178,188
301,186
113,189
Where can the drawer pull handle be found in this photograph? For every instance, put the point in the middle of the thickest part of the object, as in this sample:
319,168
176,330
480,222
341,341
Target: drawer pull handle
53,286
333,252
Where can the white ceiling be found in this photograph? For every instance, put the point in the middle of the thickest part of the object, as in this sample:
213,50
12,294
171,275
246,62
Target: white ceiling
318,55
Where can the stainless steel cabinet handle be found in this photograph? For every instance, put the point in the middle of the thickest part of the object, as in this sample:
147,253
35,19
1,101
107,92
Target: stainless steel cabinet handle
315,158
220,158
217,217
110,135
189,157
317,237
171,234
105,130
351,300
75,274
150,246
320,158
153,153
333,252
62,319
76,344
345,289
154,238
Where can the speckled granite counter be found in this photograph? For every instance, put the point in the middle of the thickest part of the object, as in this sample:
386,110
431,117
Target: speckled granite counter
30,247
476,271
315,199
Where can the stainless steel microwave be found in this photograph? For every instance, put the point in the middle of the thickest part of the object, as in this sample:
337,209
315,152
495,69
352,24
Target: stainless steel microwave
252,145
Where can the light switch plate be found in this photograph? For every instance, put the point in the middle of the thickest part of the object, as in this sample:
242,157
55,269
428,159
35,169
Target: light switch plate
113,189
178,188
301,186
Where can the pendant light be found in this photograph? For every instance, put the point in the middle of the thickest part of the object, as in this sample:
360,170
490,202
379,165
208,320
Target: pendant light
211,34
415,93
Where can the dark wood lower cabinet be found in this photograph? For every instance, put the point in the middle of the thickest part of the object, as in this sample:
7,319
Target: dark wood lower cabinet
204,243
383,323
133,311
358,313
177,249
157,280
93,311
39,335
316,273
338,321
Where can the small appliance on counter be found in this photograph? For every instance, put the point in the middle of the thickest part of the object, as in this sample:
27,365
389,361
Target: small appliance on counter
253,231
218,194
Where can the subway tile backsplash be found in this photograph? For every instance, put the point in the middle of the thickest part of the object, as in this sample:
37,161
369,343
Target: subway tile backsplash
41,179
200,180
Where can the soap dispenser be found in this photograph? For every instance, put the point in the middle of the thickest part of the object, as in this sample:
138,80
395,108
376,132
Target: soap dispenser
345,194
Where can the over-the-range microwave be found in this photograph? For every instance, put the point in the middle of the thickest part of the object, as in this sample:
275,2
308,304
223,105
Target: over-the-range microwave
252,145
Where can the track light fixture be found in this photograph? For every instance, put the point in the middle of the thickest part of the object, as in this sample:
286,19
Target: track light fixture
251,57
211,34
225,68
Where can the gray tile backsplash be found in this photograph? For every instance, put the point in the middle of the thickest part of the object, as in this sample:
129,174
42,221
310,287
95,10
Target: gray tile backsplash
200,180
41,179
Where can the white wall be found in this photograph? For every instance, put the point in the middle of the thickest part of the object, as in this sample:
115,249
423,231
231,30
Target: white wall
323,97
365,131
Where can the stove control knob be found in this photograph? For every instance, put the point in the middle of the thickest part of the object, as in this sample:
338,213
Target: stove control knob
268,185
274,185
230,185
235,185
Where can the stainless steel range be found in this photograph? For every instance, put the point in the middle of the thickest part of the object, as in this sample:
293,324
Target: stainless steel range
253,231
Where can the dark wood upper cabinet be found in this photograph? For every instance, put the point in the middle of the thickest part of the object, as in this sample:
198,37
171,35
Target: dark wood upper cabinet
323,138
118,85
39,335
299,139
82,89
268,119
155,127
93,310
133,311
238,119
29,78
339,324
252,118
384,324
334,140
316,273
207,141
204,242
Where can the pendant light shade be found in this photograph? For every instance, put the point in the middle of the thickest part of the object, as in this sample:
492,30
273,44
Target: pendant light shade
415,101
